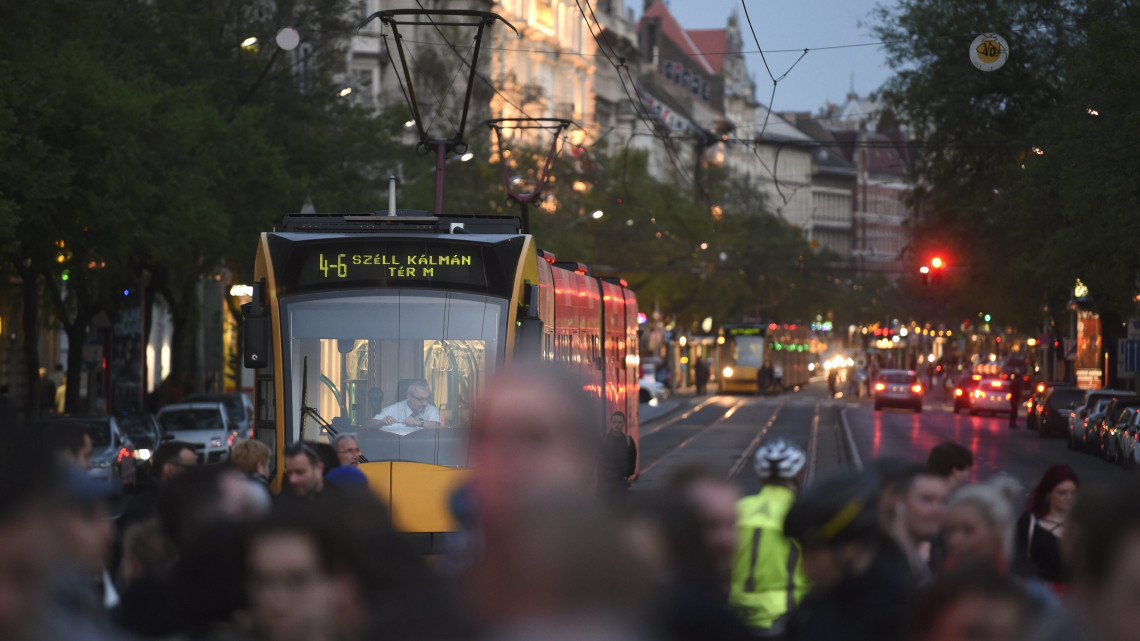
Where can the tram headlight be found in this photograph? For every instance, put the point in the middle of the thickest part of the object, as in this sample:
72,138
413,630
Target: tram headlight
728,372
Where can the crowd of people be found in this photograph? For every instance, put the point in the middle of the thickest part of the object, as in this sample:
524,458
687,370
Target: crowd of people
545,549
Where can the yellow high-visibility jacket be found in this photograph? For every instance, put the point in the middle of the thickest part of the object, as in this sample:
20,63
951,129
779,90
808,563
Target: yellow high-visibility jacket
767,573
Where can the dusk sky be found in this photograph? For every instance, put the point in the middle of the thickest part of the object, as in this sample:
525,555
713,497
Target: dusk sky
822,75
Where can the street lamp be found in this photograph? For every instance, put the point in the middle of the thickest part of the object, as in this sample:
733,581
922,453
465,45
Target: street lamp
466,157
597,214
249,44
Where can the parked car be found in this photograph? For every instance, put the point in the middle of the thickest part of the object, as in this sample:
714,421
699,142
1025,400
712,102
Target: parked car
964,390
898,388
1126,451
145,433
1099,432
651,390
1034,405
1088,404
1055,408
112,452
206,426
991,395
239,409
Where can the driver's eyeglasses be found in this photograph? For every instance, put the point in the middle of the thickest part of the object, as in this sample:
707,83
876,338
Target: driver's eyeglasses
351,450
422,399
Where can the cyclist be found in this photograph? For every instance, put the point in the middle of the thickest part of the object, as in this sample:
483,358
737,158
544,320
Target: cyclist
767,573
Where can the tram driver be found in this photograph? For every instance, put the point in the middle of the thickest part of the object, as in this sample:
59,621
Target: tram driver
414,411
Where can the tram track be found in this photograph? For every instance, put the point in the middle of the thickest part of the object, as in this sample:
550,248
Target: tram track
754,444
683,444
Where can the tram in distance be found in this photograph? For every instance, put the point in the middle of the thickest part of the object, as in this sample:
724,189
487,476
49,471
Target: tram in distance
742,349
354,314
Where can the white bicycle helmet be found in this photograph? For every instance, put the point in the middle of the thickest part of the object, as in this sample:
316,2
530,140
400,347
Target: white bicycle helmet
779,459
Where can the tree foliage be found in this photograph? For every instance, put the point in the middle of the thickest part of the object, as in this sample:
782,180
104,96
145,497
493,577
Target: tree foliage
1027,173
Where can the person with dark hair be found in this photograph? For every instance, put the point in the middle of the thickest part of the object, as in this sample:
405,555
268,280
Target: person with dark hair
169,460
952,461
304,469
329,456
969,603
1041,528
914,504
72,441
860,589
767,574
1102,543
619,461
302,572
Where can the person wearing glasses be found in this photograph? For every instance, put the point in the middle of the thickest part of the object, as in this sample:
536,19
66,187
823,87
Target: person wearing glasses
414,411
347,449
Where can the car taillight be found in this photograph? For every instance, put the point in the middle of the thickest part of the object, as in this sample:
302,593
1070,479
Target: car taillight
958,391
979,394
230,441
880,387
917,389
123,453
1008,396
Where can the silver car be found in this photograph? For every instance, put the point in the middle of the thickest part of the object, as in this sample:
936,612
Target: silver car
991,395
898,388
206,426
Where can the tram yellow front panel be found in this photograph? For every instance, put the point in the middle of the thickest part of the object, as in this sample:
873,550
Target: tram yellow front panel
417,493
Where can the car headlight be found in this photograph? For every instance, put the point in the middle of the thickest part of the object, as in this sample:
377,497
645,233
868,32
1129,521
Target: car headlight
143,454
728,372
216,441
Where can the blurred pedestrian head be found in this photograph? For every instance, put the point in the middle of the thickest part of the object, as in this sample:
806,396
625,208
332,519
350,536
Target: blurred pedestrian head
70,440
84,525
1055,491
202,497
915,497
952,461
1102,543
328,455
347,449
836,523
297,571
28,483
347,477
970,603
713,498
979,521
667,535
146,550
171,458
534,430
304,468
252,457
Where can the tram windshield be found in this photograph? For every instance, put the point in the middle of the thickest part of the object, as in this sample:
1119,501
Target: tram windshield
401,369
748,351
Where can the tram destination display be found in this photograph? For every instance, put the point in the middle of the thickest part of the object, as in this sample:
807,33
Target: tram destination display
390,264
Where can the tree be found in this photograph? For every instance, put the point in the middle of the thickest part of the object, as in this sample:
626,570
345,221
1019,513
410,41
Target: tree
1026,184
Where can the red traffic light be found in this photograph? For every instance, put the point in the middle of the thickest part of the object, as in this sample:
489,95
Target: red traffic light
937,263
